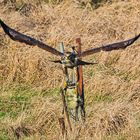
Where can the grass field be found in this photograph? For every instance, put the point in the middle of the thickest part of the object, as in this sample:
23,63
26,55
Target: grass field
30,102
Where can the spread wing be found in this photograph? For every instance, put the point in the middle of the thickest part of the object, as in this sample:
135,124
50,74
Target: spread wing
14,35
110,47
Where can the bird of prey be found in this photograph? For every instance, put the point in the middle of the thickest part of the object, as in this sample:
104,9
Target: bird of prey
17,36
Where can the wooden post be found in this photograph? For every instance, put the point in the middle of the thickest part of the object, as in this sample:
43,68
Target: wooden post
66,115
80,80
80,71
65,109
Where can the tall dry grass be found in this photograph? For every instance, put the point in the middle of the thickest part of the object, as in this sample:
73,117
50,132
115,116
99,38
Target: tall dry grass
112,86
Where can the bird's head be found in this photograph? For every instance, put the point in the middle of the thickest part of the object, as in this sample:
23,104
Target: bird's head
69,59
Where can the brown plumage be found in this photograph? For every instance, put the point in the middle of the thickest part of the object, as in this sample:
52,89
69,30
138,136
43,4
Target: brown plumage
14,35
110,47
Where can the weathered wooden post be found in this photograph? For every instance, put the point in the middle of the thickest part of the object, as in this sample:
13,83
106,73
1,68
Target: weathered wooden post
79,69
80,78
63,120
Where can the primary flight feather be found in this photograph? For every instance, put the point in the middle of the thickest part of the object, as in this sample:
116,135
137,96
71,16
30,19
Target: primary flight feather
110,47
17,36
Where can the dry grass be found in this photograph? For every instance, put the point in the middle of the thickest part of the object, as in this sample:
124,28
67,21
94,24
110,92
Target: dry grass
112,87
